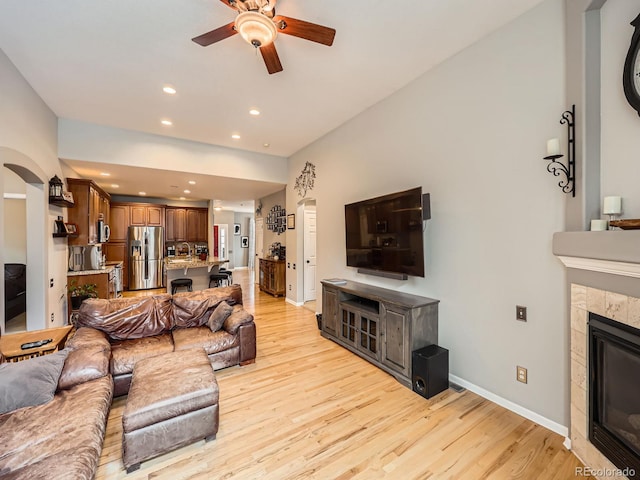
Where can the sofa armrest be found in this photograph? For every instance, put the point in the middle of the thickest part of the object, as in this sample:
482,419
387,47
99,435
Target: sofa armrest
238,317
247,336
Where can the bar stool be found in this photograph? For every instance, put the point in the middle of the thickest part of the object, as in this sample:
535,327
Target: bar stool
218,279
229,275
181,282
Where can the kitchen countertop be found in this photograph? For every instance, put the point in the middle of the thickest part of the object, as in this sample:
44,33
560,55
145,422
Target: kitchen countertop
184,264
107,269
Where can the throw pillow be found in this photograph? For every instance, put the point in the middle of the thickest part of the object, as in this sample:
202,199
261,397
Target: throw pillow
219,315
30,382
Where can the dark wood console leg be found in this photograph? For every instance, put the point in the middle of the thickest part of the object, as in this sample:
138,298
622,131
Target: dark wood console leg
210,438
133,468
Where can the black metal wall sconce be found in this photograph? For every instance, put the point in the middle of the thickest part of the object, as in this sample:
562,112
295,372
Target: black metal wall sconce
567,184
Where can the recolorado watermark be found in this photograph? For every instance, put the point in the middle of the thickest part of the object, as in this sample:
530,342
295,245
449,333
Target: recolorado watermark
605,472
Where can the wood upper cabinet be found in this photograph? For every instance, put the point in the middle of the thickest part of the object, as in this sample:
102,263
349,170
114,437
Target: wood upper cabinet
90,200
137,215
186,224
119,223
155,216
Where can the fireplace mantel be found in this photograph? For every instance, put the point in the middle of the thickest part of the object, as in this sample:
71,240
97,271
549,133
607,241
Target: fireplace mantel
615,252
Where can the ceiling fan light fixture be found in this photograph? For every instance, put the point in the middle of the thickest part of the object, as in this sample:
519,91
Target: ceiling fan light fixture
256,29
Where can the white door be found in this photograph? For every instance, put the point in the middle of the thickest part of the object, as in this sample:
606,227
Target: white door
309,254
223,249
259,247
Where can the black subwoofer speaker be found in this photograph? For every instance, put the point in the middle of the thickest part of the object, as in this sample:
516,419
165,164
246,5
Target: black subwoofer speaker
430,370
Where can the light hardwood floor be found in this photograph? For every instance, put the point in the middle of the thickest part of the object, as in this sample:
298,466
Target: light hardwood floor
310,409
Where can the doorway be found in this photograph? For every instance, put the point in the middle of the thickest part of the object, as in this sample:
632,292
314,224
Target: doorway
37,242
259,248
307,239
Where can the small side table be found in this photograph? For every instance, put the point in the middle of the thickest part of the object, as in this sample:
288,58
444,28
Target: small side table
10,344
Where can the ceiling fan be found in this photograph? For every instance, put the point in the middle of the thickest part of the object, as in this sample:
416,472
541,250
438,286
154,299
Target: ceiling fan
258,24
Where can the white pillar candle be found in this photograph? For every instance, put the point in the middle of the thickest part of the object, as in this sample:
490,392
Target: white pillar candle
612,206
553,147
598,225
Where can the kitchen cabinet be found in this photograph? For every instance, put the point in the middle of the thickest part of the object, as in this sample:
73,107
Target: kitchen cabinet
186,224
90,201
272,276
382,326
105,283
150,215
117,252
119,223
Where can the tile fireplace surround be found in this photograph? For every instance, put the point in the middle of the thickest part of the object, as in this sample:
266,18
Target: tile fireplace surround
621,308
604,278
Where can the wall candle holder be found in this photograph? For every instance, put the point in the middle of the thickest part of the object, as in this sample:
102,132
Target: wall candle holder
556,167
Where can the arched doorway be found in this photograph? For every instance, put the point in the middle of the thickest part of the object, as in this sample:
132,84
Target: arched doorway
36,238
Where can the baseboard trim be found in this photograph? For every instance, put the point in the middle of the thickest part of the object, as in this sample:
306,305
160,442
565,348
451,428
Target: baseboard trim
567,443
295,304
514,407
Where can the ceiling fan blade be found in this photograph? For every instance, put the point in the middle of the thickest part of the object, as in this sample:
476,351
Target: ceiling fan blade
271,59
228,4
215,35
308,31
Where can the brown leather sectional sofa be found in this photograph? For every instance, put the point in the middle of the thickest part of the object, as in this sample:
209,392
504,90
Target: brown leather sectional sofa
63,437
141,327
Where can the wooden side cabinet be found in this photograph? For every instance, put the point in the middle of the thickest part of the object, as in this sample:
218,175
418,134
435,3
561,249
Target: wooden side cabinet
90,201
272,276
383,326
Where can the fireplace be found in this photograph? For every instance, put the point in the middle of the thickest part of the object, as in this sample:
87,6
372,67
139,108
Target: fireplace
614,391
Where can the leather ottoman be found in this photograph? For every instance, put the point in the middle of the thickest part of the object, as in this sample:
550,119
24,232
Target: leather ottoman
173,401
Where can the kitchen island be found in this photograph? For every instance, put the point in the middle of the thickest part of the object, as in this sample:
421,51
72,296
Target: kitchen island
197,270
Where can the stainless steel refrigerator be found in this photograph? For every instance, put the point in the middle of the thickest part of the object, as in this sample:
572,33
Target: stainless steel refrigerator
146,257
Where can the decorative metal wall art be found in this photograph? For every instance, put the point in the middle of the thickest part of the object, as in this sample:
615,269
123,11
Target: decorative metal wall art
277,219
567,184
306,180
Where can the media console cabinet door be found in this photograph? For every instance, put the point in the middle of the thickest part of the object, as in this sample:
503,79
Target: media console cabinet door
395,348
329,311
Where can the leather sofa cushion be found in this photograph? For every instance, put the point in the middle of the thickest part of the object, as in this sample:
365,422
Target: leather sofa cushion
238,317
88,358
204,338
61,439
186,384
126,353
131,317
193,309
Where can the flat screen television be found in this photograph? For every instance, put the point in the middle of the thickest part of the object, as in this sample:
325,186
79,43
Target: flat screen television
385,234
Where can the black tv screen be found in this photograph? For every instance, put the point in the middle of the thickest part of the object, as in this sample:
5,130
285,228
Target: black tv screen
386,234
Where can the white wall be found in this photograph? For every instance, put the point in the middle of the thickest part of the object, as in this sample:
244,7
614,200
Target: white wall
96,143
28,134
620,157
472,132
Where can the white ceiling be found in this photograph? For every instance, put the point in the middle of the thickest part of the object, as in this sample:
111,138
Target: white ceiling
106,62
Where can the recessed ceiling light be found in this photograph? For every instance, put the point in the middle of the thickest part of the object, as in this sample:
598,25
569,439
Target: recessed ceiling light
105,174
254,112
115,185
183,198
266,145
187,191
168,123
217,209
169,89
235,136
142,193
192,182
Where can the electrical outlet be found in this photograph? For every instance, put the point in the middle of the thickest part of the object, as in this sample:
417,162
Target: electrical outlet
521,374
289,287
521,313
51,283
52,317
